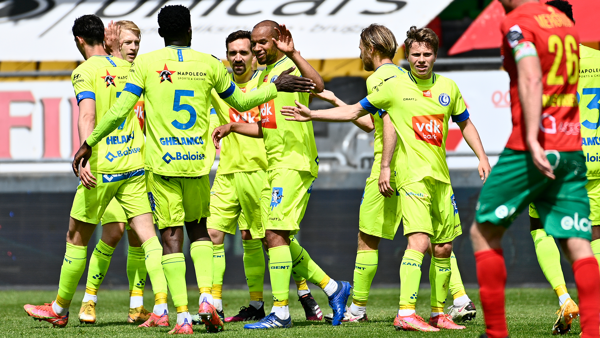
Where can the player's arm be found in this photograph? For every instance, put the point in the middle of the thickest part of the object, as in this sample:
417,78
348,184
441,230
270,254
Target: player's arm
471,135
530,75
247,129
389,145
285,43
365,123
85,126
241,101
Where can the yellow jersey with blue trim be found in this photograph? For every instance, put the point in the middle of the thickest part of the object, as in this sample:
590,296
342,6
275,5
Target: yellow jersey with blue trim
381,74
420,111
289,144
102,78
240,153
177,82
588,95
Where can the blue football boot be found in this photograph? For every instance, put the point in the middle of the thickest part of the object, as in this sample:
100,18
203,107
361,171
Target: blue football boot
338,301
270,322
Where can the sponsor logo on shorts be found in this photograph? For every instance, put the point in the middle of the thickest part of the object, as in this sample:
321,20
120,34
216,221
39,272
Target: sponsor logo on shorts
414,194
121,153
444,99
502,211
108,178
583,224
152,201
453,201
429,128
276,197
183,157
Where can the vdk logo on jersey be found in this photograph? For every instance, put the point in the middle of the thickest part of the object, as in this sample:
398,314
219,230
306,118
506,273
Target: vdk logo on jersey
429,128
251,116
109,79
267,114
444,99
276,196
165,74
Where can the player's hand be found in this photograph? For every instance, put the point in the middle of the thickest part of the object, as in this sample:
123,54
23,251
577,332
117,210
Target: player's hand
385,187
112,44
285,43
290,83
81,157
484,169
300,113
87,179
327,96
538,155
219,133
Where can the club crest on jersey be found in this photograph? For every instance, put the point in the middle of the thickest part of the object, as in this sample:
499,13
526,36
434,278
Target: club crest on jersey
274,78
266,78
109,79
165,74
444,99
429,128
276,196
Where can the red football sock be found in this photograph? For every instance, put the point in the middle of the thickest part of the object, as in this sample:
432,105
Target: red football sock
491,274
587,278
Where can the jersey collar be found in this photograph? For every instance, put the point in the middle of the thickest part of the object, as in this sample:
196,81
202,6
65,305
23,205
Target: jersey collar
178,47
282,60
386,64
428,82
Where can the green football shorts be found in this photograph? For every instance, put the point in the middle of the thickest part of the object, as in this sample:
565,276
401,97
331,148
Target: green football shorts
515,182
379,216
235,199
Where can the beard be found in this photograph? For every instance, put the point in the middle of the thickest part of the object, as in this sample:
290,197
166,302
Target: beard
239,71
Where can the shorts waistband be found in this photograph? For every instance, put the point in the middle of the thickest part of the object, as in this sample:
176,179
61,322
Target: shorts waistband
111,178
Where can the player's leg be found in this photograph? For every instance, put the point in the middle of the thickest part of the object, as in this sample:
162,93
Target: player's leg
462,308
85,215
143,226
564,210
548,257
224,213
365,267
418,227
136,275
593,188
196,200
446,227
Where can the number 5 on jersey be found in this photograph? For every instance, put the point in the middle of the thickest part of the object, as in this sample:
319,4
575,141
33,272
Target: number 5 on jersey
177,106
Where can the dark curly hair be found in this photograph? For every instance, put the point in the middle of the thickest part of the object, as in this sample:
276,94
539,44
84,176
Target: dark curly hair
90,28
174,20
563,6
237,35
421,35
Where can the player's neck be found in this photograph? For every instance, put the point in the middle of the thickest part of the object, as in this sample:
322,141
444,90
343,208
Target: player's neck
177,42
244,78
93,51
378,62
280,56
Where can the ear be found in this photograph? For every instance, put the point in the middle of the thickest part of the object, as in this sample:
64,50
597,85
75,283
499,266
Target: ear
160,33
80,40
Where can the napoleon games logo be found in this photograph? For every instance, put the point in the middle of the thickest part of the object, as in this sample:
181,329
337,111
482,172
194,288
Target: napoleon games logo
276,196
429,128
165,74
109,79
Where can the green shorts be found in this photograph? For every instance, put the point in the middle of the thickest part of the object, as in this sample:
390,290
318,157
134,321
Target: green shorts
428,206
129,190
235,200
114,214
379,216
177,200
515,182
284,199
593,189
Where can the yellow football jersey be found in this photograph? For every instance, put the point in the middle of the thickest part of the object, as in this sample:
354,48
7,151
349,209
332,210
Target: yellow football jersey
588,95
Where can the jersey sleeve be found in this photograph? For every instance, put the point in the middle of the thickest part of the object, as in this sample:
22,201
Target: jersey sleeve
222,82
516,31
136,78
83,84
460,113
378,101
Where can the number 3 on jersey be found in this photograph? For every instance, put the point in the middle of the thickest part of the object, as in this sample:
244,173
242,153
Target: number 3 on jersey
177,106
556,47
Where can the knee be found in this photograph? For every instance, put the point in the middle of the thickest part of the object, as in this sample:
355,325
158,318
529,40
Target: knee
418,242
216,236
367,242
443,250
246,235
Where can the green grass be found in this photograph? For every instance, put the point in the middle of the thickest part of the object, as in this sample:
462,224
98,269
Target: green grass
530,314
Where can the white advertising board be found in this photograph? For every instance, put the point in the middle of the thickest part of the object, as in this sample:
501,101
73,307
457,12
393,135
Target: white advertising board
322,29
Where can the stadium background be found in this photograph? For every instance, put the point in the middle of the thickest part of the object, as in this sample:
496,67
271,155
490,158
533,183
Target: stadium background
37,114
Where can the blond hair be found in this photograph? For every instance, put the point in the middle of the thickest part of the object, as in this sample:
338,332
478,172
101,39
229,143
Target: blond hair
421,35
130,26
380,38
